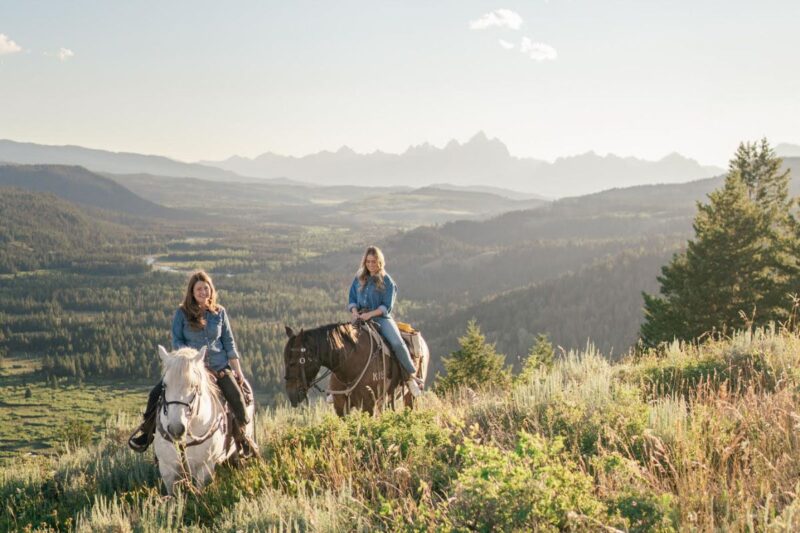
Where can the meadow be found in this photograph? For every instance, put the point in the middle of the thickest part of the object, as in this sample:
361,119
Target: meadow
691,437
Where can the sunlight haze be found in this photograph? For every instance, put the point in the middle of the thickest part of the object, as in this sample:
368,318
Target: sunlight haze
205,80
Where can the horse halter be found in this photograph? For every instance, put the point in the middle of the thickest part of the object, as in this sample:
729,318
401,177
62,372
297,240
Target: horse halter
190,405
301,361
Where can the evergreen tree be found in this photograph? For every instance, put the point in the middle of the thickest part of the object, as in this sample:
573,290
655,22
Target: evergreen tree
738,267
475,364
540,356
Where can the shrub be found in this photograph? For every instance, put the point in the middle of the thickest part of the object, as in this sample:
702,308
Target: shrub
631,497
533,487
76,433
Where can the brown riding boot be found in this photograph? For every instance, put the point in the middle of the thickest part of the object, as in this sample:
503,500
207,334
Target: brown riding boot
141,439
235,396
247,446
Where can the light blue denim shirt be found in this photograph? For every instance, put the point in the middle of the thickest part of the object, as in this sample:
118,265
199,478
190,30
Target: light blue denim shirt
216,336
370,297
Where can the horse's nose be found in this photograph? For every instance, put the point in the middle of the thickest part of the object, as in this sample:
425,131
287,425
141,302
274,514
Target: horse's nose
176,430
295,397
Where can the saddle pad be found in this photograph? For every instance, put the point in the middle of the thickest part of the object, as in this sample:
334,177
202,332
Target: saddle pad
411,340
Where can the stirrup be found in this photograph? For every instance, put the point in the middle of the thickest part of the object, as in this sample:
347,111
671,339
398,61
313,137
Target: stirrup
247,447
413,387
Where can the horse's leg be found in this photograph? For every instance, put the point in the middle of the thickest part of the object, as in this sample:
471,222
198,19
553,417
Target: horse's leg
168,465
408,400
340,401
203,472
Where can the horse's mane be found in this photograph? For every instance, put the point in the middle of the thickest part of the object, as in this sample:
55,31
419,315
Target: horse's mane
181,365
335,335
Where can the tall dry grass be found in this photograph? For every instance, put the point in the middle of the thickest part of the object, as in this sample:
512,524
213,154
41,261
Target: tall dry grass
692,437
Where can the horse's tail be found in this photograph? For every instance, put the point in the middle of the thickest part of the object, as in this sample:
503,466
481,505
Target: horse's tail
424,359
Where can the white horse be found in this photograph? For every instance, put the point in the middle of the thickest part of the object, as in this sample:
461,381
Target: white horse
191,437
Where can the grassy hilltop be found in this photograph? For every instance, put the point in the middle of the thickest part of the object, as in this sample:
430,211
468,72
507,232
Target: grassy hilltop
693,438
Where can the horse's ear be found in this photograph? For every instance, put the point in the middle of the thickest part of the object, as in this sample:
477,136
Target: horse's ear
201,354
162,353
289,332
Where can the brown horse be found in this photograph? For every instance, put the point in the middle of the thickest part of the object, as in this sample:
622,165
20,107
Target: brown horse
362,377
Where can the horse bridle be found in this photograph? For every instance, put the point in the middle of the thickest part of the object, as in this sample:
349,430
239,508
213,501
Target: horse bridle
218,424
302,362
191,404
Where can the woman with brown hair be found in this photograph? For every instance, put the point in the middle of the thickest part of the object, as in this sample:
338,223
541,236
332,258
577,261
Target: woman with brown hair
200,321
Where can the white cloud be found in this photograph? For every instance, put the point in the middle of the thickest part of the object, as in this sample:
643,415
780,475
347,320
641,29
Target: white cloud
7,46
65,53
501,18
537,51
505,44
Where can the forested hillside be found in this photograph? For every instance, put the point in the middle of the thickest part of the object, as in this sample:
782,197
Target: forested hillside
371,204
39,230
78,185
600,304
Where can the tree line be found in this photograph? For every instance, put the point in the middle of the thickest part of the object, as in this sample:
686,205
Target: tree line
742,268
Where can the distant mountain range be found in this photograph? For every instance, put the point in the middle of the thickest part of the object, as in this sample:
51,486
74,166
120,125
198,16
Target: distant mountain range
787,150
475,165
479,162
105,161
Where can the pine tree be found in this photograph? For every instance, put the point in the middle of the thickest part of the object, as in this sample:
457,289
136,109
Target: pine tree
737,268
475,364
540,356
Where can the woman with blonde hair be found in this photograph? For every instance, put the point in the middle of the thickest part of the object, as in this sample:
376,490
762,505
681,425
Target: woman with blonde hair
200,321
372,297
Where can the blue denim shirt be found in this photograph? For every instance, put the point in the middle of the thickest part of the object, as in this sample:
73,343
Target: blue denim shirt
217,336
370,297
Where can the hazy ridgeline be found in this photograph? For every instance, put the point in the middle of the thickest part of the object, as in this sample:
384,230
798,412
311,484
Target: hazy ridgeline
696,438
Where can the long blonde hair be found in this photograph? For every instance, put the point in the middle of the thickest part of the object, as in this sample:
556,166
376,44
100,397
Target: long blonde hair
191,307
363,272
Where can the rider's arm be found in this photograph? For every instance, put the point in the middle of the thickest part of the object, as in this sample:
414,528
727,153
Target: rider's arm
178,339
352,300
228,344
236,366
388,296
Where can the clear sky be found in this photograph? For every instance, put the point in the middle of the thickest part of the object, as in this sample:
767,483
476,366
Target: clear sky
208,79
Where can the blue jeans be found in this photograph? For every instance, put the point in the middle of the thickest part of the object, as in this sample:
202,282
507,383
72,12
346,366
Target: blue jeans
389,331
